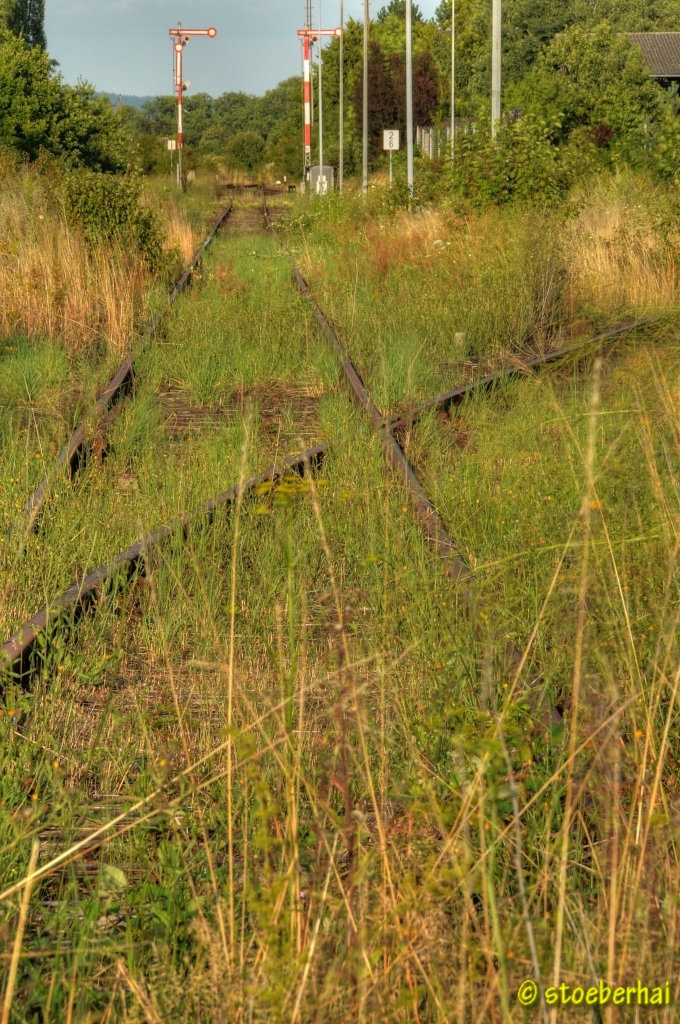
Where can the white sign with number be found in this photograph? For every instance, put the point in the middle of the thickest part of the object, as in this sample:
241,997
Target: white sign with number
391,138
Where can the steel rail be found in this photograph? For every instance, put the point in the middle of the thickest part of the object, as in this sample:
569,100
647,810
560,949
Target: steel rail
436,532
119,384
455,565
16,652
437,535
444,402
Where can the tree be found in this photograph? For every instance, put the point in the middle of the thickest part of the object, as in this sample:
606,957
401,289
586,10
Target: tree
198,112
425,89
6,10
284,135
236,112
383,104
594,81
37,111
247,150
27,19
159,116
398,8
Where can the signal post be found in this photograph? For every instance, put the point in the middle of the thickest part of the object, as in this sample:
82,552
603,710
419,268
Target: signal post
309,36
182,37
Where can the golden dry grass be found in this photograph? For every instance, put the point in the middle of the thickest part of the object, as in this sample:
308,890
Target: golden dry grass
179,233
618,258
54,283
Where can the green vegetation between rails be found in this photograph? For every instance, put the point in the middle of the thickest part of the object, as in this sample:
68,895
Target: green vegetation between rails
314,779
428,300
332,770
158,476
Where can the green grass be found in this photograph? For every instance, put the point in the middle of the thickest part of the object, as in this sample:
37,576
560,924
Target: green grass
335,770
419,298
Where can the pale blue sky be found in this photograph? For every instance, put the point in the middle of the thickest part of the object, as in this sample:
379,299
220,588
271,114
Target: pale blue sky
123,45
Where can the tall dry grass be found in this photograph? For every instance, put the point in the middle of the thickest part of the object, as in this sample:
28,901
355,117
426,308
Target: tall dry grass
53,282
621,252
617,264
618,253
179,233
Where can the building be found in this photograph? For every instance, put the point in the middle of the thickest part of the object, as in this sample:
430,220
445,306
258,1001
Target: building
661,51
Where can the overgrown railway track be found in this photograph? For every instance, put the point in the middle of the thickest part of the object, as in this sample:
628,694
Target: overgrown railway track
18,655
73,453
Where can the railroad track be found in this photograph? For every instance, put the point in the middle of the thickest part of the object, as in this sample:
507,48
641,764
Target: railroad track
17,657
72,455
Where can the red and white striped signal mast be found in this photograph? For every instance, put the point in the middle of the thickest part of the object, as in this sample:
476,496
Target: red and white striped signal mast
309,36
182,36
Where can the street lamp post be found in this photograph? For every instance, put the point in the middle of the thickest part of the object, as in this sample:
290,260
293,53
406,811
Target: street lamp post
364,141
322,178
453,77
341,102
182,36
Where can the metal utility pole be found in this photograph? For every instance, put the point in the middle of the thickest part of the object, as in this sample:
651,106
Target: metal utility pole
409,98
182,36
453,77
341,101
495,67
364,141
321,183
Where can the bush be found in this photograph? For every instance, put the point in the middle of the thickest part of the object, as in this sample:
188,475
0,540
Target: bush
594,81
520,163
108,208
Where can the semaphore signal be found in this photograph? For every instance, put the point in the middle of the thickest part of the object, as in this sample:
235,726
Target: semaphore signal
183,35
309,36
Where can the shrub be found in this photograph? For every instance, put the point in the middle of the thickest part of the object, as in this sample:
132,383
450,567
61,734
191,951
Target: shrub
594,79
108,208
520,163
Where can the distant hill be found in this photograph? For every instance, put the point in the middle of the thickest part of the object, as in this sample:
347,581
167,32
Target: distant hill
128,101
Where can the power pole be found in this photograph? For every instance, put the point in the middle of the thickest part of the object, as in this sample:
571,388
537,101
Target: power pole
495,67
453,77
364,142
409,97
341,100
321,181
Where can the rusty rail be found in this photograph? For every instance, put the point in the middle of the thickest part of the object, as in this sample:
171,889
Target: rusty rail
458,395
121,382
15,654
435,530
437,535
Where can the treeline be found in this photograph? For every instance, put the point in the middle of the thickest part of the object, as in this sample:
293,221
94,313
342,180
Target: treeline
236,130
576,90
569,74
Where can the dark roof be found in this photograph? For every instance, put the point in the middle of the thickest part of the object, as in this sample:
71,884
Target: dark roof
661,50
